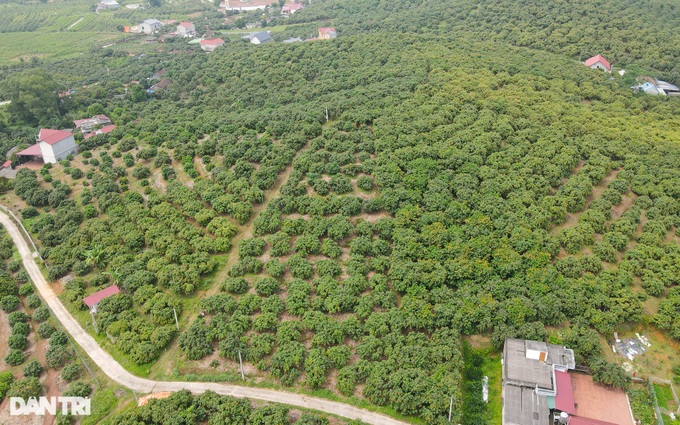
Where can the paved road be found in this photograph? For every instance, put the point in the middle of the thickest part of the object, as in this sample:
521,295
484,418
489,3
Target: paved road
117,373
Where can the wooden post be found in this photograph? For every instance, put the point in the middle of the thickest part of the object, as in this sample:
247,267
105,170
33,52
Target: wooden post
176,322
240,361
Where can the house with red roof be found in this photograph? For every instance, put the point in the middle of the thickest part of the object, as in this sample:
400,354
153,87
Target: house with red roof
186,29
289,9
542,387
598,62
210,44
52,146
106,129
327,33
88,125
91,301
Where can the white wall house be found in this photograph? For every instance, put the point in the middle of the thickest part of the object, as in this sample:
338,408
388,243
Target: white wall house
186,29
598,62
56,145
150,26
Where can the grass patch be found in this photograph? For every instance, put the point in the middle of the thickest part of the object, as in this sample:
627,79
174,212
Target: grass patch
642,404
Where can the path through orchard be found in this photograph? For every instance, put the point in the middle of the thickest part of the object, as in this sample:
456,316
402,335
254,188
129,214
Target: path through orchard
118,374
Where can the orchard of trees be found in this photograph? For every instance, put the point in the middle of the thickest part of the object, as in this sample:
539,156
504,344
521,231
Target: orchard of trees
457,187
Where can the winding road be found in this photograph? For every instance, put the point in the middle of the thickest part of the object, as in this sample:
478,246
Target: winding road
118,374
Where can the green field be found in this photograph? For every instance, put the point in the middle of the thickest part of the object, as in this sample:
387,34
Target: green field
66,29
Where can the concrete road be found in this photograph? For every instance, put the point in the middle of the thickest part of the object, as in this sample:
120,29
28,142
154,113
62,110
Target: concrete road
118,374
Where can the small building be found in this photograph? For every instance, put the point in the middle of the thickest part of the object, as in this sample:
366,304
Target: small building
158,75
150,26
91,301
104,130
253,25
161,85
540,387
292,40
289,9
598,62
186,29
327,33
259,37
668,88
107,5
51,146
210,44
88,125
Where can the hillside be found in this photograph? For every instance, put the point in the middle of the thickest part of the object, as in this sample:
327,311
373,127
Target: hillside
346,214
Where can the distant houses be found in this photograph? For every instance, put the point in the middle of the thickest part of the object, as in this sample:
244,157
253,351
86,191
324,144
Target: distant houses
211,44
327,33
186,29
52,146
289,9
259,37
654,87
246,6
107,5
150,26
598,62
91,126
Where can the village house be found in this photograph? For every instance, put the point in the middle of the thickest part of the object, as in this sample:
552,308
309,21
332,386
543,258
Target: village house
88,125
186,29
91,301
327,33
104,130
259,37
541,387
289,9
107,5
246,6
150,26
598,62
211,44
52,146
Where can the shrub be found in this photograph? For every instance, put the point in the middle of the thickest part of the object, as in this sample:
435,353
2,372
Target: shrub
235,285
17,342
45,330
29,212
26,289
58,338
41,314
33,301
16,317
33,368
25,388
57,356
70,372
78,389
21,328
6,379
9,303
14,358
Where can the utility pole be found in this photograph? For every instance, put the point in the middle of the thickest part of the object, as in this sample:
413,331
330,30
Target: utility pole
326,113
450,408
176,322
240,362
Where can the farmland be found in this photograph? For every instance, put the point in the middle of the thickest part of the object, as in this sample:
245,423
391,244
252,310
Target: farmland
64,29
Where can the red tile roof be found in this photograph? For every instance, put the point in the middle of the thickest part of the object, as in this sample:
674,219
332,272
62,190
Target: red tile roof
53,136
326,29
212,42
185,24
31,151
577,420
94,299
564,399
106,129
596,59
6,164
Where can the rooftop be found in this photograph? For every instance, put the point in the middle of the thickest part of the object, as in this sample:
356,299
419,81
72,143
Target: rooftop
51,137
523,371
212,42
522,406
599,403
94,299
186,24
596,59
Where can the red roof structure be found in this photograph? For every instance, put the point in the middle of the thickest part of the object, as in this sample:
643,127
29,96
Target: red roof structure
106,129
325,30
31,151
52,137
6,164
577,420
212,42
596,59
564,399
94,299
186,25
